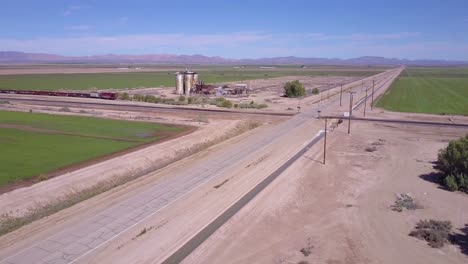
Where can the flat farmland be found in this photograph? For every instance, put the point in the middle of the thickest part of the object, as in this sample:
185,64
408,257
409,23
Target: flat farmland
428,90
164,78
38,144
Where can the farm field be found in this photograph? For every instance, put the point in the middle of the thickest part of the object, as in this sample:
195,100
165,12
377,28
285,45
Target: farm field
37,144
428,90
163,78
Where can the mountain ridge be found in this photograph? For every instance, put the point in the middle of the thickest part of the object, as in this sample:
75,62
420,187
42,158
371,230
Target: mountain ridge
18,57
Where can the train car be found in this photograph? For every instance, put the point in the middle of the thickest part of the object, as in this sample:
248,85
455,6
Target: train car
108,96
103,95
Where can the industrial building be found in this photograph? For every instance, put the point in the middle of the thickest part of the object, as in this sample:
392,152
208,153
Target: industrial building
186,82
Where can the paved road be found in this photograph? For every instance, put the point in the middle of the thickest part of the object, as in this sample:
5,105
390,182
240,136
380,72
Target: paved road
69,245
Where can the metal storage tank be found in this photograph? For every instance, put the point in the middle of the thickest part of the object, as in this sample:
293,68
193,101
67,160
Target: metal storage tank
179,83
188,83
195,79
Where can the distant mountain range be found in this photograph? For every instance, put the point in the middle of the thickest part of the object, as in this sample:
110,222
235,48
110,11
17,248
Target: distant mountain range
15,57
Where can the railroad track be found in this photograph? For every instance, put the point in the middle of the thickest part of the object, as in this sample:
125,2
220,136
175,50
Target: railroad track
133,107
400,121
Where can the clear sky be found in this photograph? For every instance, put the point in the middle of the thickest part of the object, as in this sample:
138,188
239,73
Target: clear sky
413,29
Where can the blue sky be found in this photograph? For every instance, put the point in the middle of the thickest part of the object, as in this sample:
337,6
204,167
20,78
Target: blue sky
239,29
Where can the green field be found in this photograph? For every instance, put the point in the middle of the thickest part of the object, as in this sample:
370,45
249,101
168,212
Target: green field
428,90
33,144
163,78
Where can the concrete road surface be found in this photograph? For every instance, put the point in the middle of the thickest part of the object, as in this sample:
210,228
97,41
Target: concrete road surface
86,237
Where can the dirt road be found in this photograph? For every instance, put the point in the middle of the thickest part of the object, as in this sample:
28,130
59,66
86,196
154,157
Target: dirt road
165,208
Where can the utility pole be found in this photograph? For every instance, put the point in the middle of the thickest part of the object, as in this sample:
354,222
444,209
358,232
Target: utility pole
325,142
341,93
350,110
372,102
365,103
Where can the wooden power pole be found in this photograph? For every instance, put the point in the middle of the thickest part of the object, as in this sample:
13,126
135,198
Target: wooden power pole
341,93
325,142
372,102
365,103
350,111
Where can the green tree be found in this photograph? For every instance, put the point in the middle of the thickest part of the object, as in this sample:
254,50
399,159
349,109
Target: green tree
294,89
453,162
124,96
451,183
149,98
226,103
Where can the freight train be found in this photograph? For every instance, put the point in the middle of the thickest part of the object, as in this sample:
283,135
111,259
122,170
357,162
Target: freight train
103,95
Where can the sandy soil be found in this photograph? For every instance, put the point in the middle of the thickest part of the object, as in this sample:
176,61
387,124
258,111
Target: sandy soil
340,211
266,91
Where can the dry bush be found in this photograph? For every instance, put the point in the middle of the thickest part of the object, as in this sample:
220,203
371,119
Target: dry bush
435,233
64,109
42,177
404,201
201,119
371,149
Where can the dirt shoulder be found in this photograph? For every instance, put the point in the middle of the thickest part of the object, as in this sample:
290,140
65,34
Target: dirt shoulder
339,213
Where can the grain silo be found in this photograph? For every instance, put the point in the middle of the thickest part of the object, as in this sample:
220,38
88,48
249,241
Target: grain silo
179,83
186,82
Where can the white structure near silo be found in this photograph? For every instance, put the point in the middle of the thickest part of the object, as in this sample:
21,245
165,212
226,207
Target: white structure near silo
185,82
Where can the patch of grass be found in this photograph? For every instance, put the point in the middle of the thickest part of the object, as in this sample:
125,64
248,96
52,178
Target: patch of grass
86,126
37,144
10,223
81,81
435,233
428,90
